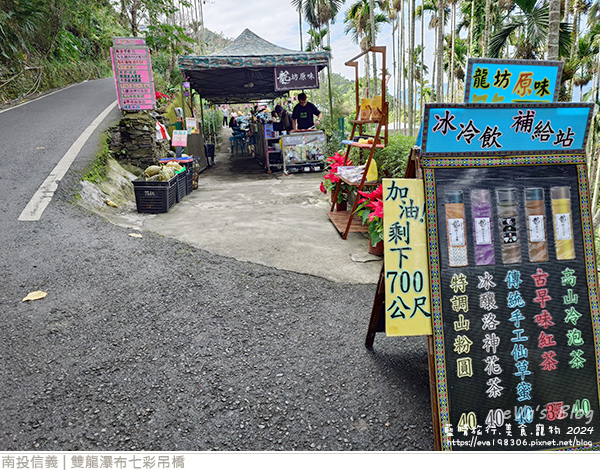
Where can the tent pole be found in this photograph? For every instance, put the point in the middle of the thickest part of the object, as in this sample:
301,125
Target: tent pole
202,114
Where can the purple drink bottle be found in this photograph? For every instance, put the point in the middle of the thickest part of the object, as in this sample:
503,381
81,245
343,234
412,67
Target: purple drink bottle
481,211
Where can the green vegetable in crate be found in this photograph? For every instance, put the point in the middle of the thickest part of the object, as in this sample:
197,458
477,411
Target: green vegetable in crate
173,164
166,173
151,170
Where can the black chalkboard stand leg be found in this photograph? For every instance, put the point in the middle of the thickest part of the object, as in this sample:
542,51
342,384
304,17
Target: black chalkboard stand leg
377,320
437,441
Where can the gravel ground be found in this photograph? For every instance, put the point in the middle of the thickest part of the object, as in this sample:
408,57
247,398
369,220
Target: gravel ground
150,344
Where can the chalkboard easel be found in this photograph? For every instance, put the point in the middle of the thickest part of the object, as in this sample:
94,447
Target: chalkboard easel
377,320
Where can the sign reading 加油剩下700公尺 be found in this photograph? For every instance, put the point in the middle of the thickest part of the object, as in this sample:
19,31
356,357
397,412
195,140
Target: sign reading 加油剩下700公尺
512,81
506,129
297,77
407,293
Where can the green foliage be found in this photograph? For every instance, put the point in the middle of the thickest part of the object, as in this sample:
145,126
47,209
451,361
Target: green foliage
391,160
96,173
46,44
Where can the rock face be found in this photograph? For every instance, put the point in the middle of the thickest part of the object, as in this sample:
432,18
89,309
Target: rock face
138,139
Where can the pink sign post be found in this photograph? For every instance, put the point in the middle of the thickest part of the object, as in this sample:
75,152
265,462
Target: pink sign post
133,76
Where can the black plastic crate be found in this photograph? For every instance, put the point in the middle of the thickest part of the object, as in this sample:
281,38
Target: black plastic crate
155,197
181,184
190,180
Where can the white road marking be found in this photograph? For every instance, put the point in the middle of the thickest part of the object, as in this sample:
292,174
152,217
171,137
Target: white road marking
40,200
38,98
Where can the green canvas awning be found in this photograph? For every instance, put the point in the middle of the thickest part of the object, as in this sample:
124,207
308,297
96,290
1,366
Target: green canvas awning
245,70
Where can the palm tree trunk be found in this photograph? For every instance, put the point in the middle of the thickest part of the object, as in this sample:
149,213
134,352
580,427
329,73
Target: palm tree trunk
394,26
440,54
373,43
553,29
299,24
471,28
422,57
411,67
453,26
487,28
402,65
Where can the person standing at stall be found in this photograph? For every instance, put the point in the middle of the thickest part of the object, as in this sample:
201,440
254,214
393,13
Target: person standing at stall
302,115
284,115
225,111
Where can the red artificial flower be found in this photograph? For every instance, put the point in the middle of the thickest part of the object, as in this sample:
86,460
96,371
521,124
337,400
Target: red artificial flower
331,176
377,207
322,188
377,194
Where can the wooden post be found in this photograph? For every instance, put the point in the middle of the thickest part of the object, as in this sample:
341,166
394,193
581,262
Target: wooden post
378,306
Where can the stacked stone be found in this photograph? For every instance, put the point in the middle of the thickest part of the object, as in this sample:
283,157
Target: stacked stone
138,139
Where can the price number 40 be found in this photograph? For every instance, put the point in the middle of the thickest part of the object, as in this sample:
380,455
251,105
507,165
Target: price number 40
467,422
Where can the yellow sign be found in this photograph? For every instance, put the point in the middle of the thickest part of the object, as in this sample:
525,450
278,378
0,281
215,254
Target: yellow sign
407,288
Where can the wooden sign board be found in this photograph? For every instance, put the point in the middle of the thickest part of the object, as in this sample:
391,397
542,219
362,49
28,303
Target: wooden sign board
407,296
516,319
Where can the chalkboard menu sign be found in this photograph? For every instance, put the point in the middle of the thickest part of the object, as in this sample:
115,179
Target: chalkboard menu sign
514,302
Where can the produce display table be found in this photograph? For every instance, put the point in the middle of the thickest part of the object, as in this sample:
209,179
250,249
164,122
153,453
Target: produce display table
303,151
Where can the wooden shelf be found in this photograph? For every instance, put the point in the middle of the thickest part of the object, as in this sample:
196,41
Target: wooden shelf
368,121
356,185
362,146
340,221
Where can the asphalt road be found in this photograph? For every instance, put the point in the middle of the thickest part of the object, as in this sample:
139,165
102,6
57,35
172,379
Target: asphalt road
151,344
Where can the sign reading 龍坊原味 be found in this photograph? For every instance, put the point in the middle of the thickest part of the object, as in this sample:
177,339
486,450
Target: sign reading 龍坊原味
297,77
512,81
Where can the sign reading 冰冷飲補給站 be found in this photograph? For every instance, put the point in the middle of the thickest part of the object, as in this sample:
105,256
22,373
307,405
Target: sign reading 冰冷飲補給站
297,77
511,129
407,297
515,311
512,81
133,76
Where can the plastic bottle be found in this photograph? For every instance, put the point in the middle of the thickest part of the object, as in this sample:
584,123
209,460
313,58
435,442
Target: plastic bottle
456,229
509,225
563,224
536,225
481,212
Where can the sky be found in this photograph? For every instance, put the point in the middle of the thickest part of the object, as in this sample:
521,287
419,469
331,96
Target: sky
277,22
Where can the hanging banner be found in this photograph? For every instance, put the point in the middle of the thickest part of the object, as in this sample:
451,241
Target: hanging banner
407,286
512,81
132,70
299,77
504,129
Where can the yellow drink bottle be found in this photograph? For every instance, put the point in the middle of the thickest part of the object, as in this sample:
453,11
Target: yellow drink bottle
563,222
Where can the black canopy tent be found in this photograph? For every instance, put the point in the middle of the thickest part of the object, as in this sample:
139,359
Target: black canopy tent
244,71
